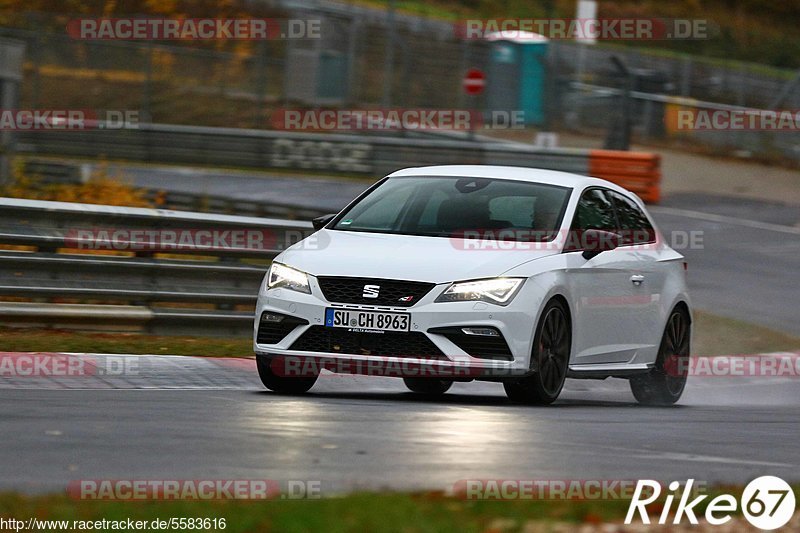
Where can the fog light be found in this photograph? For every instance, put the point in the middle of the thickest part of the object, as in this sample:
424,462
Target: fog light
271,317
483,332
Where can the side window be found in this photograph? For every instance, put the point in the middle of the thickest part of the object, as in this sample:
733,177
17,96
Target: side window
633,223
594,211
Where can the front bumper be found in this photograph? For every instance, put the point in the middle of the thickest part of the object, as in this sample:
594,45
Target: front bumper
515,322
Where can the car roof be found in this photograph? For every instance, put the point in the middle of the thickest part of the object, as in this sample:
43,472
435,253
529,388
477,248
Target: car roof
534,175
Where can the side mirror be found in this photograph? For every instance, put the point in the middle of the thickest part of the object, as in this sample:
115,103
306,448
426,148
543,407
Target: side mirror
596,241
321,222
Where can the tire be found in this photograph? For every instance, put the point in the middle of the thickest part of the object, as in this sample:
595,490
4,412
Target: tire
282,384
428,386
664,384
551,349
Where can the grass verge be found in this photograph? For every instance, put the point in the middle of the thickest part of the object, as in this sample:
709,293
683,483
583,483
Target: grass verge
374,512
714,335
717,335
48,340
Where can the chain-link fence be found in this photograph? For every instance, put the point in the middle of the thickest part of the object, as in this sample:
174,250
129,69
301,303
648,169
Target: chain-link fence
702,78
365,60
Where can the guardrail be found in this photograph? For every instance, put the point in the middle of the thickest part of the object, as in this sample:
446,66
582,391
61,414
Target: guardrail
321,152
137,269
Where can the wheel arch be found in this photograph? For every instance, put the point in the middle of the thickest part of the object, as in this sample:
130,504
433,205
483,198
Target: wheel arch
570,322
684,306
563,299
558,296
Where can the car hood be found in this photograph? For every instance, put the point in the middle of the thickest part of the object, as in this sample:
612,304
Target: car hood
386,256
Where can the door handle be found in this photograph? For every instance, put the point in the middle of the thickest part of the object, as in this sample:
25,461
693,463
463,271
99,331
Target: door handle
637,279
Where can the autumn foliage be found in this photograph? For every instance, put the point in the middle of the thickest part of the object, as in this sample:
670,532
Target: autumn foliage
100,188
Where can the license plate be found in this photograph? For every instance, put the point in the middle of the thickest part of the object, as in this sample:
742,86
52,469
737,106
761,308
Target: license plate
372,321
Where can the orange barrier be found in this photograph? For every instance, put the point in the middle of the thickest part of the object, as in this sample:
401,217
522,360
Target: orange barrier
636,171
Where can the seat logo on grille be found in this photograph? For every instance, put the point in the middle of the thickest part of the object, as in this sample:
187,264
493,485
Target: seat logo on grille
371,291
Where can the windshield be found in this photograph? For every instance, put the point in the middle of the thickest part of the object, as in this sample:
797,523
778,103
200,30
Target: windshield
459,207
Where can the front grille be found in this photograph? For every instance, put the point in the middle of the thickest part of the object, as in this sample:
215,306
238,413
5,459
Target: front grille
274,332
480,346
391,292
387,344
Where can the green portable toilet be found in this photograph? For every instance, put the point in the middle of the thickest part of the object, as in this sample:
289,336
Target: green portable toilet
516,74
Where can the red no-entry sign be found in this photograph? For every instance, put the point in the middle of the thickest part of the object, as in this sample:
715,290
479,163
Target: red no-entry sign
474,81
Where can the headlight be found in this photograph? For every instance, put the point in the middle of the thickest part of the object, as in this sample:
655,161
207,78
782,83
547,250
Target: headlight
496,291
282,276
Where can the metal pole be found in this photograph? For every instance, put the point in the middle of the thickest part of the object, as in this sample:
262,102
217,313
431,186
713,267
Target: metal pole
12,57
352,44
261,82
686,76
549,73
389,61
619,135
36,54
148,73
462,69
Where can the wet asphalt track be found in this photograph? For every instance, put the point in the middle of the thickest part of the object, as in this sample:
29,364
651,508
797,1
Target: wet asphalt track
194,418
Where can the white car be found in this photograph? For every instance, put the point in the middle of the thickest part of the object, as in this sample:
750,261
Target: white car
459,273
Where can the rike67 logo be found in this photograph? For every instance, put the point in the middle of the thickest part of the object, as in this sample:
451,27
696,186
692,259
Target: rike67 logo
768,503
